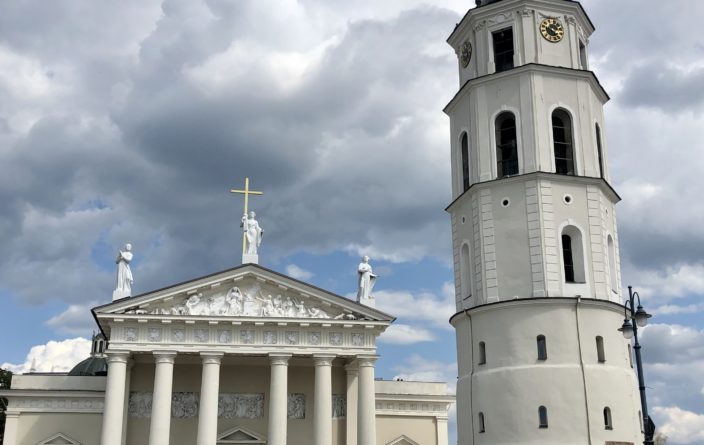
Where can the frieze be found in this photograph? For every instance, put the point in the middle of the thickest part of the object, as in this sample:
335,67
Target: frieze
249,301
339,406
500,18
266,335
184,405
296,406
57,404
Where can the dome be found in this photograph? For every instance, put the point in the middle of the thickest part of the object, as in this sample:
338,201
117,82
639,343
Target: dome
92,366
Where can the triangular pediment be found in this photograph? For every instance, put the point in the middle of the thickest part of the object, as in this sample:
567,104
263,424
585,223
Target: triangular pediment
248,291
239,435
59,439
403,440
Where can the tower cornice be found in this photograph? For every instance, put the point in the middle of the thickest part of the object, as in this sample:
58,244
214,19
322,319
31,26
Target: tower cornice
475,15
560,301
601,182
589,76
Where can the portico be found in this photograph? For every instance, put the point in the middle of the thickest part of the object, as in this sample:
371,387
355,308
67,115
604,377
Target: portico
277,413
294,370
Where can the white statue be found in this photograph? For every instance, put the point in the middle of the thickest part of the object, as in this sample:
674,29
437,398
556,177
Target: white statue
253,233
124,273
366,282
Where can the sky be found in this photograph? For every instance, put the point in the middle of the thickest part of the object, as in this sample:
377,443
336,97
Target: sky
130,121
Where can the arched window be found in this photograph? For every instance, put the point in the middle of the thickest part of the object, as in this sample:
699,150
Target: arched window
482,353
563,142
543,417
600,349
568,258
607,419
466,272
542,348
599,150
612,263
573,255
482,426
506,145
465,162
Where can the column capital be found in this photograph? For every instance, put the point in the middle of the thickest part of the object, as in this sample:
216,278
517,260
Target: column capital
117,356
279,359
164,356
323,359
352,367
12,414
212,358
366,360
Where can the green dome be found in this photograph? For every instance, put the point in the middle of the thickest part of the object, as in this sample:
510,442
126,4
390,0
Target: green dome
92,366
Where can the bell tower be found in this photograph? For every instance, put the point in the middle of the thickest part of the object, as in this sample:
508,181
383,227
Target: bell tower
534,234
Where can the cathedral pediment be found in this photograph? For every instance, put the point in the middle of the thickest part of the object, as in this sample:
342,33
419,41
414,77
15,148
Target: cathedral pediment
248,291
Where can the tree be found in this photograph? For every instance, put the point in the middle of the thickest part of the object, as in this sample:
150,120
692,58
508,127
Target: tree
5,380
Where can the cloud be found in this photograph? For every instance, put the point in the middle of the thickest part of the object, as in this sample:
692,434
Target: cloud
403,334
681,426
55,356
671,309
75,320
298,272
420,306
417,368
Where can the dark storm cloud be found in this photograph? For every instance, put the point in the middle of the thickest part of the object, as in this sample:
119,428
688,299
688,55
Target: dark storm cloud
141,143
670,89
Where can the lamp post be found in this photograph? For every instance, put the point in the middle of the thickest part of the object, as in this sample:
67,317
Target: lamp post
638,318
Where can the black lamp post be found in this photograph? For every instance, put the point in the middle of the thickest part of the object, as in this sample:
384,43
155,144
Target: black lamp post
638,318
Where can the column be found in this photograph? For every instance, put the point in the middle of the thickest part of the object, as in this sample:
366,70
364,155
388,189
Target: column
209,390
126,403
366,401
352,390
442,438
278,399
114,398
160,426
11,421
322,416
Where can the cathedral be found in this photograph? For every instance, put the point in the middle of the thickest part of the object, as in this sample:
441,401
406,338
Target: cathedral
251,356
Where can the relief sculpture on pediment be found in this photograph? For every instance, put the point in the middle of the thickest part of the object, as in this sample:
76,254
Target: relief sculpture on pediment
252,302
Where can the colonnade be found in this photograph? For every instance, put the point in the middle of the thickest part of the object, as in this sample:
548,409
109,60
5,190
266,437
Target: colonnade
361,409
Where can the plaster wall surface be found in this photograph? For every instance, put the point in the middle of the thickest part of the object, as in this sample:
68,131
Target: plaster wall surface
524,18
513,383
390,428
36,427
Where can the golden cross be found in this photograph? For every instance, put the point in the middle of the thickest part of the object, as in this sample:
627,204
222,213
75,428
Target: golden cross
246,192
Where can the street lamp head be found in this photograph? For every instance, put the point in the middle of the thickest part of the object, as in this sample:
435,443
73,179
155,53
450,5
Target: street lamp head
627,329
641,317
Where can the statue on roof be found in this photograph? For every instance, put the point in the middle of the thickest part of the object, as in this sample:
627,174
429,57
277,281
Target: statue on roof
124,273
366,282
252,232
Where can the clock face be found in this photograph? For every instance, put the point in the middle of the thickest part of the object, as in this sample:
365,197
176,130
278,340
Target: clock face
552,30
465,53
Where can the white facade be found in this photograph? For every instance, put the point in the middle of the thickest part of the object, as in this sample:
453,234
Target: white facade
534,232
245,356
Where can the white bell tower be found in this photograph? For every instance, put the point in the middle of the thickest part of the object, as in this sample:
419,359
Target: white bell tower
534,234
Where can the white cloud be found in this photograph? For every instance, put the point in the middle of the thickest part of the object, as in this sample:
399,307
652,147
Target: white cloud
421,306
672,282
403,334
681,426
417,368
56,356
673,309
75,320
298,272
